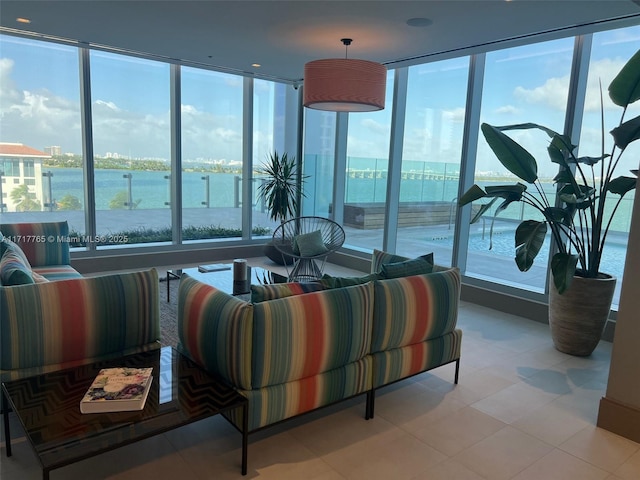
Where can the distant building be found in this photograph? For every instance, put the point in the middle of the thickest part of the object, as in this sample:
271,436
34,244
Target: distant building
21,165
55,150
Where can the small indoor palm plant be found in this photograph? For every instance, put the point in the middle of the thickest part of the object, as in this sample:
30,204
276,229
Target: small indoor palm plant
579,221
281,190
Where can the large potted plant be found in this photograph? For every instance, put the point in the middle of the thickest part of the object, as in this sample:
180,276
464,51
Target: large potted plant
281,189
580,294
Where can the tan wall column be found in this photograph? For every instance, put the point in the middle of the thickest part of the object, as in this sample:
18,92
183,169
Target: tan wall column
620,407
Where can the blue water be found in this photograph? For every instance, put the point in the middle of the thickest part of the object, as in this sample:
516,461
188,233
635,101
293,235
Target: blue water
151,189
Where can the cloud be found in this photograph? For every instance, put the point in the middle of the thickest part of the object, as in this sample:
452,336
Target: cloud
553,93
602,71
37,118
374,127
456,115
99,104
508,110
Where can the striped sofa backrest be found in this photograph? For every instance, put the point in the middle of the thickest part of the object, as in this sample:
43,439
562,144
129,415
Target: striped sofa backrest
304,335
43,243
215,330
69,320
414,309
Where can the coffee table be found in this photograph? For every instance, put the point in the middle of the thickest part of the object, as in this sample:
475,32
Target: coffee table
48,407
223,280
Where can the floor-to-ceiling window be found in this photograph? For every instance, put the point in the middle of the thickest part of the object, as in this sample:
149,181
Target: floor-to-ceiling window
41,159
269,118
609,52
366,171
211,154
131,145
522,84
319,161
432,148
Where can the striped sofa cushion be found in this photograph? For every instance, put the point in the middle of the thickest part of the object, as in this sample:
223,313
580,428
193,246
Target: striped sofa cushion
410,310
43,243
398,363
72,320
215,330
263,293
304,335
272,404
379,258
57,272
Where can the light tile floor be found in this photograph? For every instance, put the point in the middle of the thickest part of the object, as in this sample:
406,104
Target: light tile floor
521,411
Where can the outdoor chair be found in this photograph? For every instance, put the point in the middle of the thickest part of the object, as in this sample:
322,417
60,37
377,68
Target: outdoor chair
309,240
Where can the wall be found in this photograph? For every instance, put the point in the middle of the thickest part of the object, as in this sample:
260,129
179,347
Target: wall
620,407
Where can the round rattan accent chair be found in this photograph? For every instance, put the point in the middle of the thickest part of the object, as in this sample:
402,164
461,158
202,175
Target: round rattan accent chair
309,240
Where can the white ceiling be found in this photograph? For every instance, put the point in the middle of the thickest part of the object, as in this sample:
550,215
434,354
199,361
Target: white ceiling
283,35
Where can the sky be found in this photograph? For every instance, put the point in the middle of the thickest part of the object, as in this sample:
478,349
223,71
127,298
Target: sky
40,102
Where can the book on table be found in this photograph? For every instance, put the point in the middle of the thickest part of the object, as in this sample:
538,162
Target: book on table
214,267
118,390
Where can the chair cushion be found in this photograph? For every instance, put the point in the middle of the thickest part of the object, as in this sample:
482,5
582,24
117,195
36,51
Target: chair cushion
416,266
338,282
14,266
309,244
380,257
263,293
426,304
305,335
66,321
56,272
50,245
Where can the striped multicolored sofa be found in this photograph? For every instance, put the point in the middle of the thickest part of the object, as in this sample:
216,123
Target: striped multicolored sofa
292,355
51,325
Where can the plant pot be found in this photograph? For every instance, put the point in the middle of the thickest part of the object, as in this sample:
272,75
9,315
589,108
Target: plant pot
578,316
275,255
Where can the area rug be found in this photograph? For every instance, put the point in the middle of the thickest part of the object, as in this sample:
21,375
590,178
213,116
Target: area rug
169,313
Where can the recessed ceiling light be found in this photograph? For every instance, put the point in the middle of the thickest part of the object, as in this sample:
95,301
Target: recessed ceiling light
23,20
419,22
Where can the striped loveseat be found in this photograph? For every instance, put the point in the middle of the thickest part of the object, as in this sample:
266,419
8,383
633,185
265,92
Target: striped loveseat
62,319
318,346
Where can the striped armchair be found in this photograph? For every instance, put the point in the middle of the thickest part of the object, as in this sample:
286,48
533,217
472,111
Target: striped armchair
309,349
287,356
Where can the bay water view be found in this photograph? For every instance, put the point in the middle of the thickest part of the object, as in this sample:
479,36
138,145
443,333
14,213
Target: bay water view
151,190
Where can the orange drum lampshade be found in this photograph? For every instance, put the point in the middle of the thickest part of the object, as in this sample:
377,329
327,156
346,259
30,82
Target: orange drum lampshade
344,85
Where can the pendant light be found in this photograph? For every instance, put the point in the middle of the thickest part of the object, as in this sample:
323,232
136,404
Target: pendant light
344,84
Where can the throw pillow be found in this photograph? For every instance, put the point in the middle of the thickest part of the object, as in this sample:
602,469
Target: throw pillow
379,258
14,269
338,282
309,244
263,293
416,266
8,245
37,278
